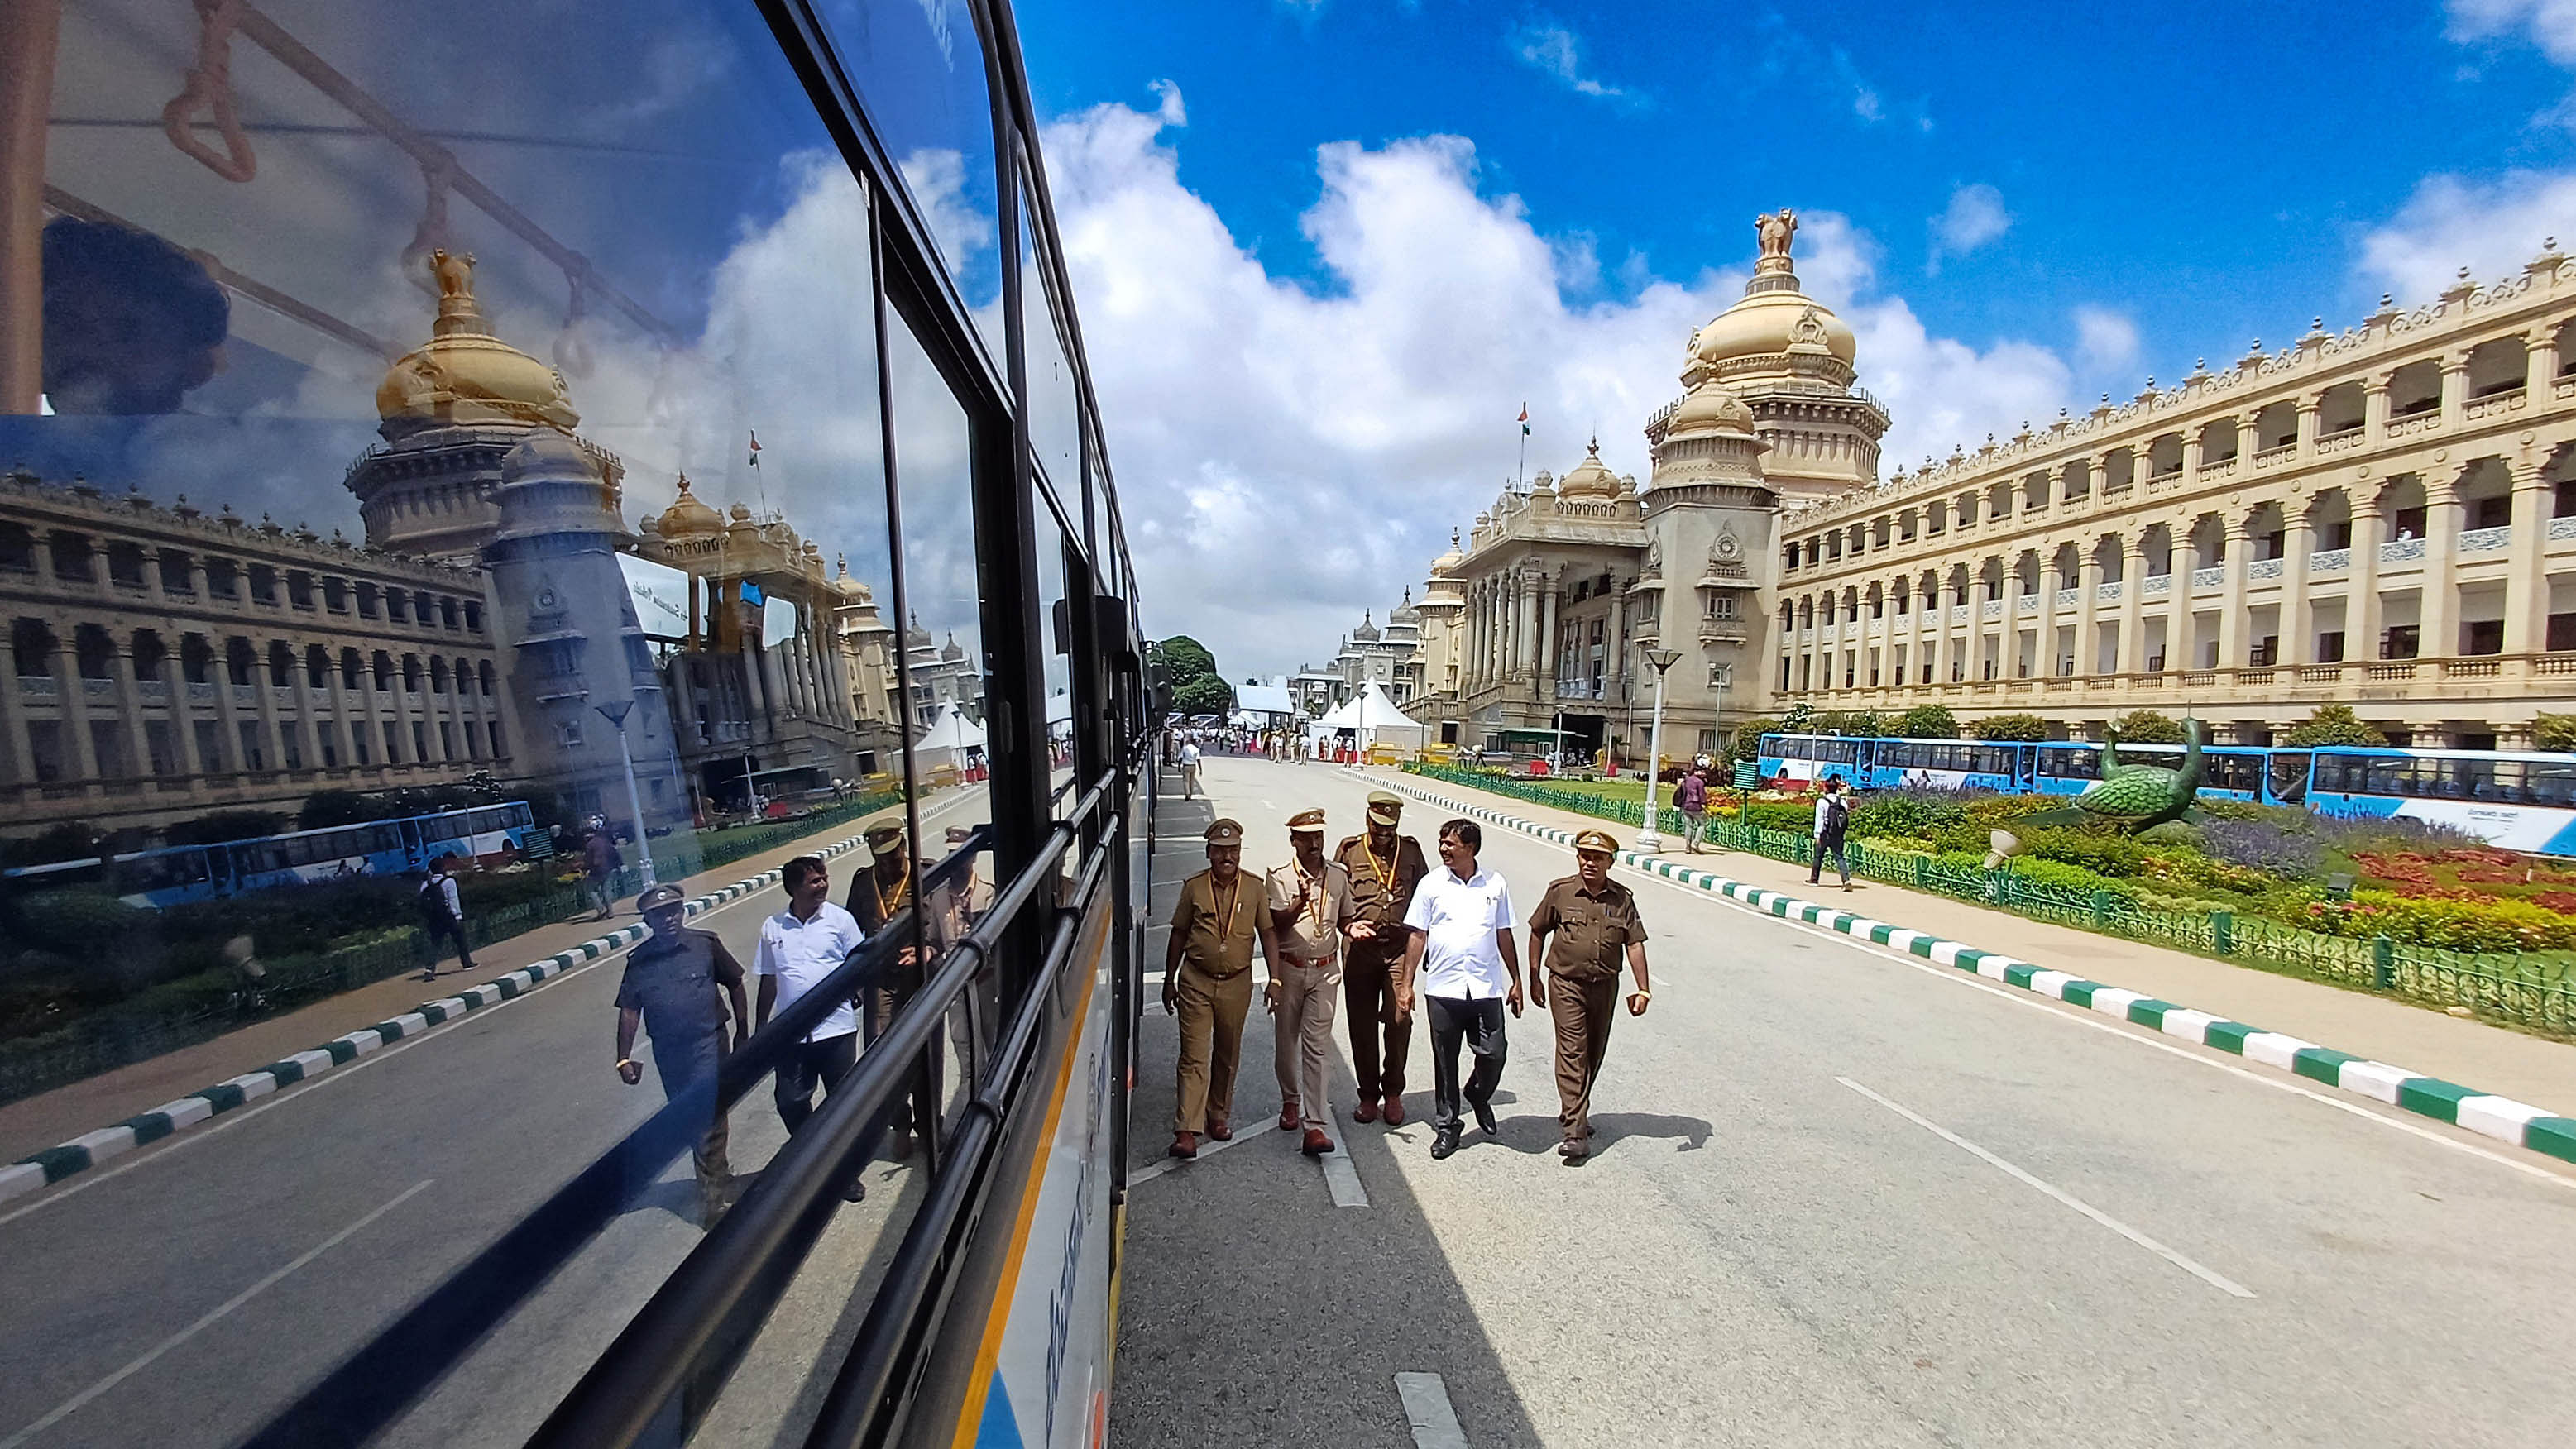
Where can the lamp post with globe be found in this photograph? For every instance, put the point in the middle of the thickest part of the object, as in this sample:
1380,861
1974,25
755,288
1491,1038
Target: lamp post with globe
616,715
1649,838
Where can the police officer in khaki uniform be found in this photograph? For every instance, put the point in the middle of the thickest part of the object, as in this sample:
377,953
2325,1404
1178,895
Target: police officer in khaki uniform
1207,977
1384,869
1309,901
1575,976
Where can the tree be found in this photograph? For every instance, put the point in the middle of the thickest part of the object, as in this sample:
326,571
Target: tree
1746,743
1186,658
2011,727
2332,724
1858,722
1928,722
1206,694
2554,732
2146,727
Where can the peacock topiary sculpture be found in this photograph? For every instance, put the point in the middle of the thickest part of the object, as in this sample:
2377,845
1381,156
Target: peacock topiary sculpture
2133,797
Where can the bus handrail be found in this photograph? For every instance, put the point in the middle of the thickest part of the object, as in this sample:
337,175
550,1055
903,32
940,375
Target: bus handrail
735,1277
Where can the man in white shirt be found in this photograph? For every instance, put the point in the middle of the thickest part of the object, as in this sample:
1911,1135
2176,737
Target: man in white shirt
1461,960
1189,769
799,947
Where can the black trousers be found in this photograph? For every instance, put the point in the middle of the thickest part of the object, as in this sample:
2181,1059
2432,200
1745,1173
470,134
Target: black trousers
451,931
828,1061
1479,1024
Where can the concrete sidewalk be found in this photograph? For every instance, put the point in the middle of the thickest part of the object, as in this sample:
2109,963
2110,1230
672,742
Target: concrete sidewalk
38,1122
2509,1063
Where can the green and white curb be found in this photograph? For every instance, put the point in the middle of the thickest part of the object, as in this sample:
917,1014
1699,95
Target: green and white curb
92,1148
2501,1118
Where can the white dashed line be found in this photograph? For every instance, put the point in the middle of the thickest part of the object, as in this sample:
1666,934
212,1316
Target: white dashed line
2213,1279
1427,1411
1342,1179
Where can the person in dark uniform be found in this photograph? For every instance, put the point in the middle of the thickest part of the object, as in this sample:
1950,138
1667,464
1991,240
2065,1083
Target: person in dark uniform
1384,868
877,895
1575,976
670,988
1207,978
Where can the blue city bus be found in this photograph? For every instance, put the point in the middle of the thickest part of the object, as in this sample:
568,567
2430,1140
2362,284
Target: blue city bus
2518,800
174,874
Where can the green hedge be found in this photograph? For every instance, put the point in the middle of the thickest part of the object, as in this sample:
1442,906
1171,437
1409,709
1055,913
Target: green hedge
2494,967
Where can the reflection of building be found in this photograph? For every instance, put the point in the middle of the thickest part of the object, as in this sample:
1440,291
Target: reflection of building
1443,606
168,663
866,644
942,676
761,684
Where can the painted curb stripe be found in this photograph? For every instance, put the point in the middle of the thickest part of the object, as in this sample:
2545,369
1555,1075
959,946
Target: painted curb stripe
88,1150
2501,1118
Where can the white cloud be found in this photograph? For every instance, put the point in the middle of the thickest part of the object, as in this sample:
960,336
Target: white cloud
1554,50
2551,24
2106,339
1974,217
1290,453
2491,227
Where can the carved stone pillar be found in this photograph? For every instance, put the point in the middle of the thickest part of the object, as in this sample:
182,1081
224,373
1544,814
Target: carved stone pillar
2526,585
2361,611
2088,625
2298,616
2132,656
2440,628
2231,609
2178,622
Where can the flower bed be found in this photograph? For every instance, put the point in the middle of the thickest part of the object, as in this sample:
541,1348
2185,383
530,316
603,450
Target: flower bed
2248,884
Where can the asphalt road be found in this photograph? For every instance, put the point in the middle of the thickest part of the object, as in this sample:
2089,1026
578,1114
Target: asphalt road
1839,1197
183,1294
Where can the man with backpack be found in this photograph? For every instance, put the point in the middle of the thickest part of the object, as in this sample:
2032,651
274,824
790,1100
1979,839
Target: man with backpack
1833,817
1691,798
442,915
600,862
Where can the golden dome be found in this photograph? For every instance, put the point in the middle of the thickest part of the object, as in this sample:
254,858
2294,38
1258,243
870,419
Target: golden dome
688,517
1710,408
1589,478
464,374
1775,318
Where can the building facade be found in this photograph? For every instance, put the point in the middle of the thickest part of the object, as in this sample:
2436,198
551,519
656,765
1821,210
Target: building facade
2382,517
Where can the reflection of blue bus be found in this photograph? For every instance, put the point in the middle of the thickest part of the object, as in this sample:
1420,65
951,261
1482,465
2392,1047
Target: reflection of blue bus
176,873
2521,801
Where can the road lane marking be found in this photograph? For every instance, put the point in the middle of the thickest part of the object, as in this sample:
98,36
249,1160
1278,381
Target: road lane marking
77,1401
1426,1412
87,1180
1341,1177
2055,1010
1159,1166
2214,1279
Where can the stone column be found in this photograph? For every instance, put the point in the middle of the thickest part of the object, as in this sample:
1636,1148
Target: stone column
17,764
2088,624
333,681
2132,657
2044,657
2191,451
2178,628
1944,649
2308,411
129,711
2361,612
228,755
2540,366
2440,611
2374,407
1547,640
2298,616
2231,608
2526,584
1525,629
71,698
2455,393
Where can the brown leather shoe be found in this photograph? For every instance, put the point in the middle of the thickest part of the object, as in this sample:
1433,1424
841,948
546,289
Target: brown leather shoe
1185,1145
1220,1130
1317,1144
1366,1111
1289,1120
1394,1113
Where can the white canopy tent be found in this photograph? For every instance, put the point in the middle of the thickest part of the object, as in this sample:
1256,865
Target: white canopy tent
1262,704
1375,718
948,740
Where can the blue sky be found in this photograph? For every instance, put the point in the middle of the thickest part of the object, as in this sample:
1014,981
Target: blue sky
2036,204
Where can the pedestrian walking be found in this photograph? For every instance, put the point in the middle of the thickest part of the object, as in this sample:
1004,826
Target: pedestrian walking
1309,914
1207,979
1384,869
1692,800
1189,769
1833,817
676,985
878,895
600,864
1461,961
442,915
1584,930
800,947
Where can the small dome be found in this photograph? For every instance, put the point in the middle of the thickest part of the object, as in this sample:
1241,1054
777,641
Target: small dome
1448,564
1366,632
1589,478
953,652
1710,409
688,516
740,513
464,374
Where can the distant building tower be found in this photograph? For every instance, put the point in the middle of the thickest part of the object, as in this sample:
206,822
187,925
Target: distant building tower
566,627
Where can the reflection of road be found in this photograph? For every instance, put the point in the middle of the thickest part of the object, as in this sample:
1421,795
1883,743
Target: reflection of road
1837,1199
492,1113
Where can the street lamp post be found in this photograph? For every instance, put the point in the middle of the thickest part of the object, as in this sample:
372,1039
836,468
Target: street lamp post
616,715
1650,839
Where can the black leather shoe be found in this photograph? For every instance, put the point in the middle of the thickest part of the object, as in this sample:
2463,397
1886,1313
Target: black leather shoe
1443,1142
1485,1118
